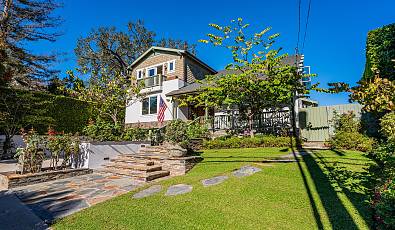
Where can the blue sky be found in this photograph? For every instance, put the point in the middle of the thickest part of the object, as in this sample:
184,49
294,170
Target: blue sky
334,48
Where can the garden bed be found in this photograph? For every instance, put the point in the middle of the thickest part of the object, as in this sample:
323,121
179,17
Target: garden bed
10,180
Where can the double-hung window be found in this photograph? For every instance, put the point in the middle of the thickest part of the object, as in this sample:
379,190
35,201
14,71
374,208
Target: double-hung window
150,105
171,66
151,72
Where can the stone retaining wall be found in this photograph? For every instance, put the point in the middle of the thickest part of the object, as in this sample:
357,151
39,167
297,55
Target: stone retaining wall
12,180
180,165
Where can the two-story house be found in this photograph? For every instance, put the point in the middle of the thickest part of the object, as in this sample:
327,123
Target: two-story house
171,73
163,71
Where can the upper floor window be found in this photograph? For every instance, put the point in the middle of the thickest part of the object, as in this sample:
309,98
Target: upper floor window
171,66
140,74
151,72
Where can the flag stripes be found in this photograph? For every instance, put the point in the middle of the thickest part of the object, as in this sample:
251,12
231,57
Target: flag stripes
162,109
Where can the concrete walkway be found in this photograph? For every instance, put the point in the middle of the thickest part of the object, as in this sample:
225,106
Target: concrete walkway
14,215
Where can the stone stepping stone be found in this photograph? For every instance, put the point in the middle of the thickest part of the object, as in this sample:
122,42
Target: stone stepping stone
214,181
246,171
178,189
148,192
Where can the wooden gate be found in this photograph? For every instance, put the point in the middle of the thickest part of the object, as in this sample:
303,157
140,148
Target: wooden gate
316,124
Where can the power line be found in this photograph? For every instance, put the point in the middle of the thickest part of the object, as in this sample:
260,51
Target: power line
297,43
307,22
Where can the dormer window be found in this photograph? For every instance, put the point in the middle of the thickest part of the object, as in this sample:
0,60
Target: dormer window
171,66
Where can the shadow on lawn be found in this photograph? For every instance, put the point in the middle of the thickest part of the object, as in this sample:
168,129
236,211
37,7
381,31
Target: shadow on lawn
338,215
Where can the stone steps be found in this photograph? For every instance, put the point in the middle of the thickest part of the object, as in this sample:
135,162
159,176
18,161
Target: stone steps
139,175
129,160
136,167
144,166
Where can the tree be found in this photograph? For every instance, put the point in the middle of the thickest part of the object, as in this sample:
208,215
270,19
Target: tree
113,50
110,94
22,22
257,79
380,53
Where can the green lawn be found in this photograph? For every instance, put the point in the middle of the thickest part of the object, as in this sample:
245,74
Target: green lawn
318,192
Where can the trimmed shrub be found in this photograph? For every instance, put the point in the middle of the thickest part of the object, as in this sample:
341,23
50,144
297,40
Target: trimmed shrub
103,131
351,141
135,134
347,135
68,115
247,142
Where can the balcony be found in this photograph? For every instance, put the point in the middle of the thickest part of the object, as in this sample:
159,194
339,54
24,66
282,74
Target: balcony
152,81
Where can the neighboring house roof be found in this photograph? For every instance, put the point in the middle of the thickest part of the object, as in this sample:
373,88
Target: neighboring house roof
178,51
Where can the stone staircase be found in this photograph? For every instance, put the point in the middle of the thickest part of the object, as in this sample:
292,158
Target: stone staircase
145,165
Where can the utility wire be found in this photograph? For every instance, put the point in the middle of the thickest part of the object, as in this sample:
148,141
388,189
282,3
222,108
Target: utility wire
307,23
297,43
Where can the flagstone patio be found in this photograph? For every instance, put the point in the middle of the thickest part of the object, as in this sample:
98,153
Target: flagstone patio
56,199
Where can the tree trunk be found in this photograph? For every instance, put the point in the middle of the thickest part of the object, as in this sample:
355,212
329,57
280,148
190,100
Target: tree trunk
7,148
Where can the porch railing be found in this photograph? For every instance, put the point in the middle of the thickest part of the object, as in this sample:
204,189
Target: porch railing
270,122
156,80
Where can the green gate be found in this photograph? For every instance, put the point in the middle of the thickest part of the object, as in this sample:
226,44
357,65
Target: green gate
315,123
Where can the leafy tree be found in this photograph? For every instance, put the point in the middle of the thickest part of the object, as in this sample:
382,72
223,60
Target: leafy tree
22,22
110,94
257,78
380,53
114,50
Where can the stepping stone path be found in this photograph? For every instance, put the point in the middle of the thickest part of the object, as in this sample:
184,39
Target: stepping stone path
148,192
246,171
178,189
214,181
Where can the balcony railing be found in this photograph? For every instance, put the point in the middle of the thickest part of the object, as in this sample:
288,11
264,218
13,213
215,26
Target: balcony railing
156,80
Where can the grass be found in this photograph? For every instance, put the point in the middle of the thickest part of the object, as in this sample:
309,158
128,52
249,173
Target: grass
320,191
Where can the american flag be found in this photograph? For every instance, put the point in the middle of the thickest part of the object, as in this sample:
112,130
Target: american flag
162,109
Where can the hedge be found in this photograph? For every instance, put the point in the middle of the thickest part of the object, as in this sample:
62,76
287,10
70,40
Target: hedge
247,142
67,114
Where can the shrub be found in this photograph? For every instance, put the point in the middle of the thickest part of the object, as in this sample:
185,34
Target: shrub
351,141
347,135
176,131
385,207
247,142
387,124
196,130
135,134
346,122
103,131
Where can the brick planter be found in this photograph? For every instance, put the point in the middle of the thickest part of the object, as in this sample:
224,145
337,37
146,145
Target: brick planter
10,180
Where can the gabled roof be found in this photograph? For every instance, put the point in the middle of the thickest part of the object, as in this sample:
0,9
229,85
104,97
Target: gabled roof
178,51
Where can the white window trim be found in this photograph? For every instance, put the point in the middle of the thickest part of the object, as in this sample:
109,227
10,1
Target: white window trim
154,68
149,107
142,73
174,66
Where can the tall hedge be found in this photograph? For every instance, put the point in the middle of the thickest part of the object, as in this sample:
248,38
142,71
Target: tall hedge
68,114
380,51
